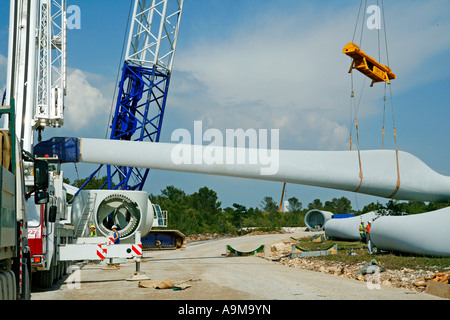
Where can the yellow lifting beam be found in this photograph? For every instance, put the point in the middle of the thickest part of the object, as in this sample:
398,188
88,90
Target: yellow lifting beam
368,65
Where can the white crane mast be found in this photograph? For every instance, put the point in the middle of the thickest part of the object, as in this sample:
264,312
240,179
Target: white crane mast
21,74
51,77
154,33
36,76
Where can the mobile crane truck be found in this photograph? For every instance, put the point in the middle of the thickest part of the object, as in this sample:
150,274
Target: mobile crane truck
15,257
25,179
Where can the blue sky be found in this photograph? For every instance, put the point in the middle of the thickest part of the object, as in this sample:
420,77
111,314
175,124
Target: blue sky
274,65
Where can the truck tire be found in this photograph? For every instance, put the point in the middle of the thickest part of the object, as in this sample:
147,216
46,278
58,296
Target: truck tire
44,279
65,265
7,285
60,271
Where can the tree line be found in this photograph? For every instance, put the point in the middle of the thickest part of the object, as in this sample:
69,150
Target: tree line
202,212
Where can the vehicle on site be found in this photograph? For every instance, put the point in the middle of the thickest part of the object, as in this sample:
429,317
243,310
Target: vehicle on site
51,232
36,85
24,178
38,228
49,227
138,116
15,254
160,238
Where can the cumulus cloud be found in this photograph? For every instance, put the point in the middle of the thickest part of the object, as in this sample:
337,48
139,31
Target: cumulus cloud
86,105
276,76
417,35
288,72
3,67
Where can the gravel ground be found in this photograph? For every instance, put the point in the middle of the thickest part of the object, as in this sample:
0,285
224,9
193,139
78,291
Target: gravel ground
217,277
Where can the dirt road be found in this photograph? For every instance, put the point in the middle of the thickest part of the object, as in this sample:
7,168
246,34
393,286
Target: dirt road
217,277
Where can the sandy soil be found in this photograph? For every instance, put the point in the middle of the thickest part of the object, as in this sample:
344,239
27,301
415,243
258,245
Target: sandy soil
217,277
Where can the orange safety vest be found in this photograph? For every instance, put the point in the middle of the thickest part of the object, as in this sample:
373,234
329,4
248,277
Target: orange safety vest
368,228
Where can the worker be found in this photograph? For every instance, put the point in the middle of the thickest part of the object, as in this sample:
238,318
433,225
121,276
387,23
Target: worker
369,224
93,232
362,232
116,235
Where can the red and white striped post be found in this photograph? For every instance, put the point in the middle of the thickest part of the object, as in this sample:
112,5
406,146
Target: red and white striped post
136,247
20,256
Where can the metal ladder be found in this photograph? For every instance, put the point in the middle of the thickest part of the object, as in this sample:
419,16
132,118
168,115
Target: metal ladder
86,215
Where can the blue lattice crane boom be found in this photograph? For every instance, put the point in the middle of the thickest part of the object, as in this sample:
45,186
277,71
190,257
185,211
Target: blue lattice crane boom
143,87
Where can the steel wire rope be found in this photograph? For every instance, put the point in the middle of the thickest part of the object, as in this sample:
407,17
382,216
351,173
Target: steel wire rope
397,187
115,92
352,118
356,106
362,24
384,118
355,121
119,69
357,21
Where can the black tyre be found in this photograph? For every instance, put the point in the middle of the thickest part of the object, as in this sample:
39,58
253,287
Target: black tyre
44,279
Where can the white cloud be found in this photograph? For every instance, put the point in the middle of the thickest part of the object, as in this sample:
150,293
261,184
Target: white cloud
276,75
3,67
85,105
290,73
3,61
417,34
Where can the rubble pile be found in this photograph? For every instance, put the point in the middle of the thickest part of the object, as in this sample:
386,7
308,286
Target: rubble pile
211,236
409,279
259,232
206,236
442,277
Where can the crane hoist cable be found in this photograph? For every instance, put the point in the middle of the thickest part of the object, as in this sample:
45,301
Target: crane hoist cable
111,110
392,105
377,72
361,61
119,69
355,108
384,118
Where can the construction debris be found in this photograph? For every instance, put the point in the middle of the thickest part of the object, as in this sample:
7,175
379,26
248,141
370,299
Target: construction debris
373,267
167,284
405,278
409,279
438,289
281,248
206,236
211,236
441,277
